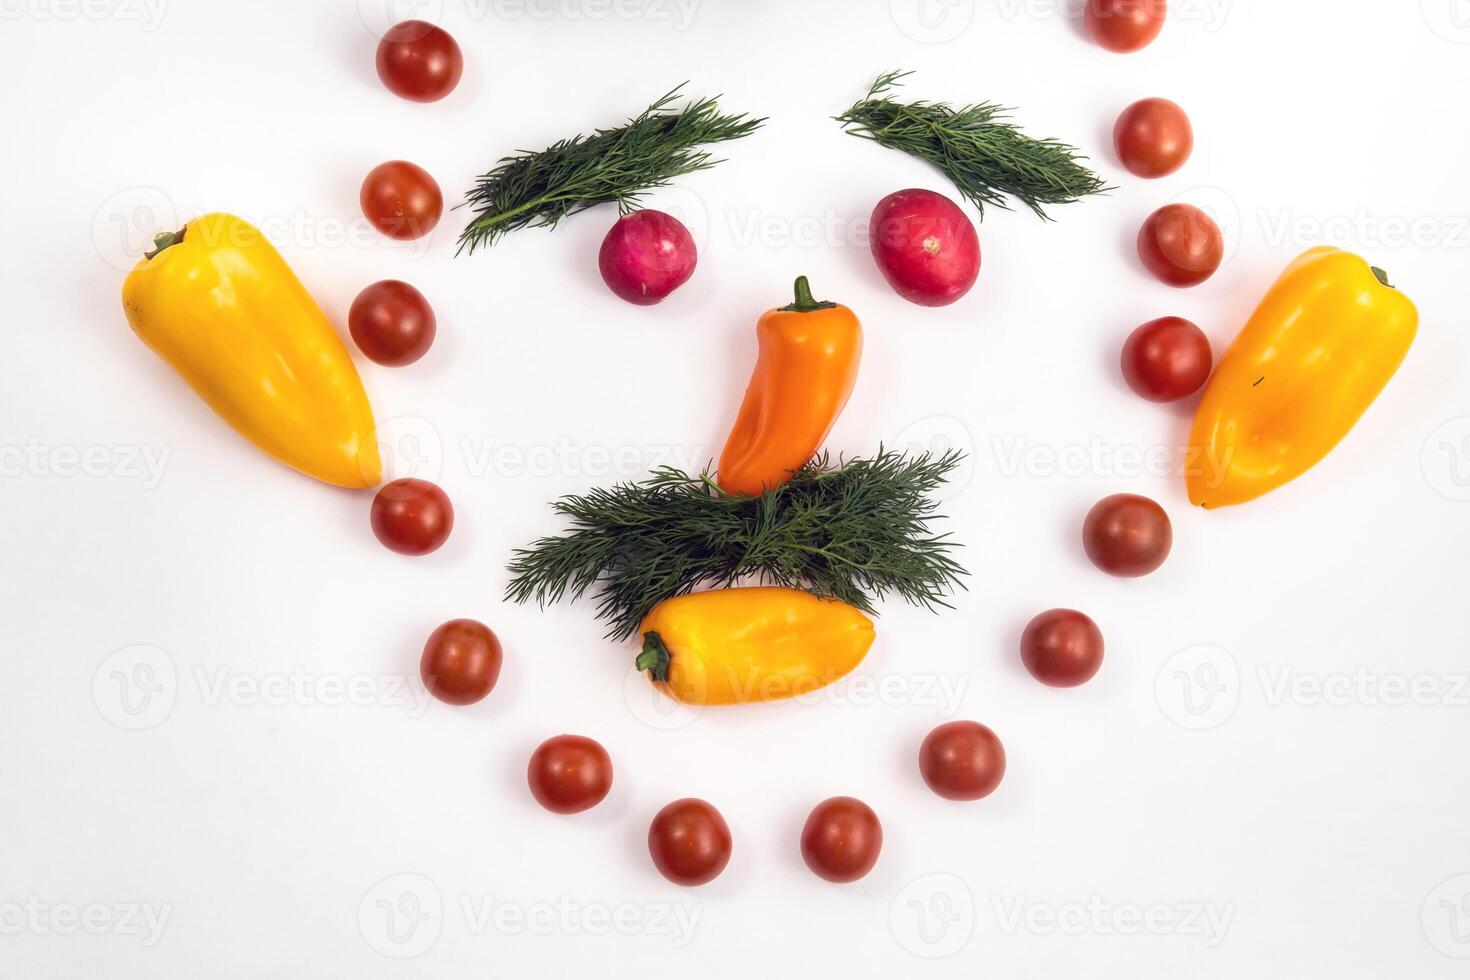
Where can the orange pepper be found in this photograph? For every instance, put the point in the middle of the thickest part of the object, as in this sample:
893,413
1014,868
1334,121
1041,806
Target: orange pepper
808,362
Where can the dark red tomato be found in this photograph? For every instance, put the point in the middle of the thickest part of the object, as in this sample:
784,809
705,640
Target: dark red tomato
1127,535
401,200
1181,245
461,662
569,773
646,256
392,323
689,842
1153,138
412,517
841,839
962,760
925,246
419,61
1062,648
1166,359
1125,25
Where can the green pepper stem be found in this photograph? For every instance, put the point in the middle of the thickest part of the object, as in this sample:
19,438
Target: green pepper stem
805,303
1382,276
165,239
654,657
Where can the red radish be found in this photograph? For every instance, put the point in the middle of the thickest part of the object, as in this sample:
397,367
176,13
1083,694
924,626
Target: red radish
925,247
646,256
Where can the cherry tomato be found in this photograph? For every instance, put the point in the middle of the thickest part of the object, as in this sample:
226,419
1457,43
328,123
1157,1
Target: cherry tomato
689,842
401,200
412,517
1127,535
841,839
419,61
1153,138
569,773
962,760
1166,359
1181,245
1124,25
391,323
1062,648
461,662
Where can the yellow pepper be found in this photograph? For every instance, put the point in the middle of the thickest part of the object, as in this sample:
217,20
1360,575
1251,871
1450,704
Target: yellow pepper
219,304
763,643
1316,352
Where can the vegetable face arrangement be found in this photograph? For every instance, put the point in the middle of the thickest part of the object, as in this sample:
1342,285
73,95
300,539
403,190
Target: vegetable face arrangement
760,581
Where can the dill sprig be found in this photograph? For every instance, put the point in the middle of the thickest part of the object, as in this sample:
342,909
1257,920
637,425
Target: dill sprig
856,531
537,190
986,157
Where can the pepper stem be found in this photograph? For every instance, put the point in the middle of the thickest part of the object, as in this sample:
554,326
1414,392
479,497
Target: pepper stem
1382,276
165,239
654,657
804,301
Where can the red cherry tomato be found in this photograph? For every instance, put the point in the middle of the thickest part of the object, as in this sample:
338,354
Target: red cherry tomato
841,839
1124,25
1153,138
1166,359
1062,648
569,773
412,517
461,662
391,323
646,256
962,760
689,842
419,61
1181,245
401,200
1127,535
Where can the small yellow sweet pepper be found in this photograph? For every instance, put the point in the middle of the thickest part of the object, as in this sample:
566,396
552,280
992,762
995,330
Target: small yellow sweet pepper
763,643
219,304
1316,352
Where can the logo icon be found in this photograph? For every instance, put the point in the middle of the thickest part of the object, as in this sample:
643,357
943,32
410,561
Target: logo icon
409,446
653,707
932,21
933,916
1446,917
124,225
937,435
1450,19
401,916
1199,687
1445,459
136,687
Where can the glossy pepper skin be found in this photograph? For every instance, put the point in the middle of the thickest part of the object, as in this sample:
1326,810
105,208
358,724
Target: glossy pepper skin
219,304
808,362
764,643
1316,352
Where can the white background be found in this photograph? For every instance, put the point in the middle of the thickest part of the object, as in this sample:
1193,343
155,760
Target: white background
1202,774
